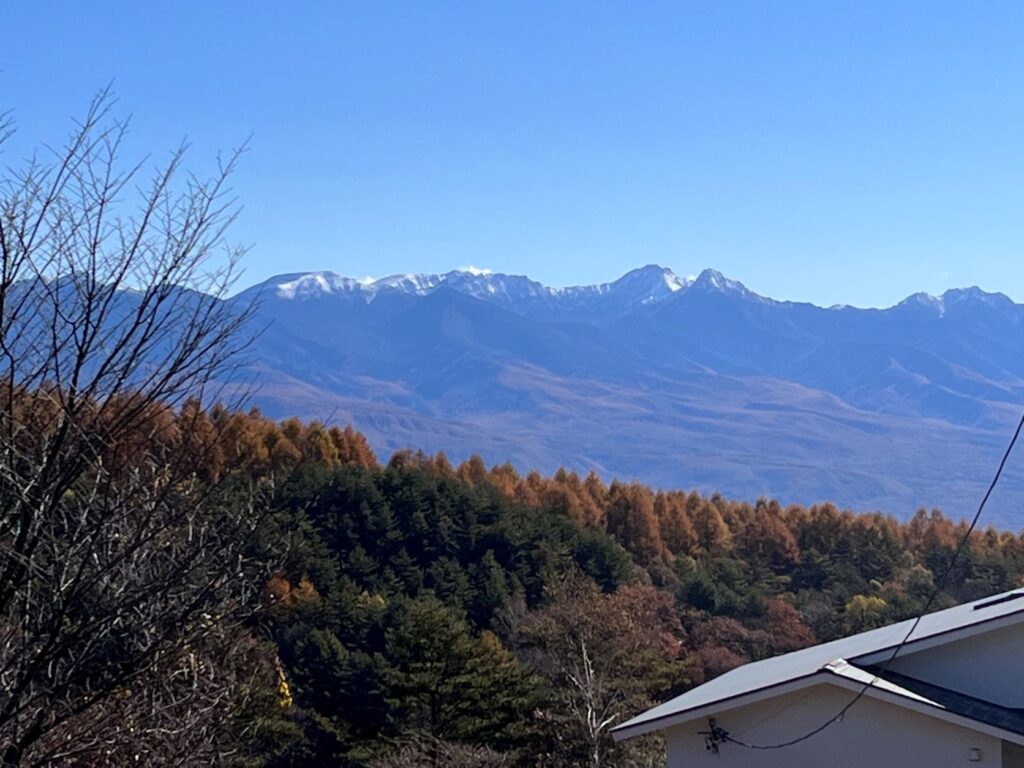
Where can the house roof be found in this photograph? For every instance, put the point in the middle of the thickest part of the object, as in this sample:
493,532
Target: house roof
979,710
790,667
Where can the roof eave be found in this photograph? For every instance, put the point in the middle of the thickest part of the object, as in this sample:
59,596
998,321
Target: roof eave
639,726
907,700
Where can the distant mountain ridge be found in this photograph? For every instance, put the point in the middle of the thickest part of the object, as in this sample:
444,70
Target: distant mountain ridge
520,294
478,282
688,382
644,285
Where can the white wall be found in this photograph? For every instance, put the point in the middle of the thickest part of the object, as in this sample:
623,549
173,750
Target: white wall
989,666
873,734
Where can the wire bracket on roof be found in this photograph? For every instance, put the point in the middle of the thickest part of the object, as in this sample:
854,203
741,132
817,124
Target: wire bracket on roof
714,736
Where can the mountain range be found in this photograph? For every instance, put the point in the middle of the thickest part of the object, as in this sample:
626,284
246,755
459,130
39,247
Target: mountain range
679,382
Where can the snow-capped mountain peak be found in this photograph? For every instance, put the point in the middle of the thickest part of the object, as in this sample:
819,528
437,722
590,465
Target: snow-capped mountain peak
960,300
419,284
924,301
312,284
713,281
974,293
645,286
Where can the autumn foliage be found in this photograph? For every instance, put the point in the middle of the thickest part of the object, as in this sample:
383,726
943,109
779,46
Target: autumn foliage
558,605
421,610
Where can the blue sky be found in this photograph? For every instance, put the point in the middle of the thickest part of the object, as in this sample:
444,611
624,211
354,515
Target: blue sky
831,152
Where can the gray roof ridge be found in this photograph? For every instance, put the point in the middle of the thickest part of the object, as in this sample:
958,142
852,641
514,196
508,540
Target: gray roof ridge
958,702
788,667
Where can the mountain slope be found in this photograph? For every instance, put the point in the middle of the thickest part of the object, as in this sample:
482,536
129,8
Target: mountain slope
679,382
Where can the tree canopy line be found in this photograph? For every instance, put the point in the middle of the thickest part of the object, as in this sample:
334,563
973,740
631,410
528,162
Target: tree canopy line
420,607
186,582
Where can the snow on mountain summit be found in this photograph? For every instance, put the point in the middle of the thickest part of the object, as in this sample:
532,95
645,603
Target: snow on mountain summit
309,284
648,284
644,286
960,300
712,279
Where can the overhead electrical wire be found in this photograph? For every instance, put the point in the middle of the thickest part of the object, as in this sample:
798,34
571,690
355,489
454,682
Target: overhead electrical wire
722,736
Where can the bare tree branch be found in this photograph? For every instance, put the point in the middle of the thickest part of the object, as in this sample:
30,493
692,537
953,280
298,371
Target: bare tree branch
124,585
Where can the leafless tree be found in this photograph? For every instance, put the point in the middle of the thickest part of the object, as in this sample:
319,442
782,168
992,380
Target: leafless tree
123,576
607,654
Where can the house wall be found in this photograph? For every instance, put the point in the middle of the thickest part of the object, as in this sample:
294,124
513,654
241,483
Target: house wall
872,733
989,666
1013,755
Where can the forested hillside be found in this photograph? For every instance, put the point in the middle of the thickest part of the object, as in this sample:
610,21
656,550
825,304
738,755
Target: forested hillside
272,594
422,612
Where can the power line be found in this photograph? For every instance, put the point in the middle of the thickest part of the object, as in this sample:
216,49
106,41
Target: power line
723,736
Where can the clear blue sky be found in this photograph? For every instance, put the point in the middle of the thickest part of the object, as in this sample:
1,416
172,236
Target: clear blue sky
833,152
